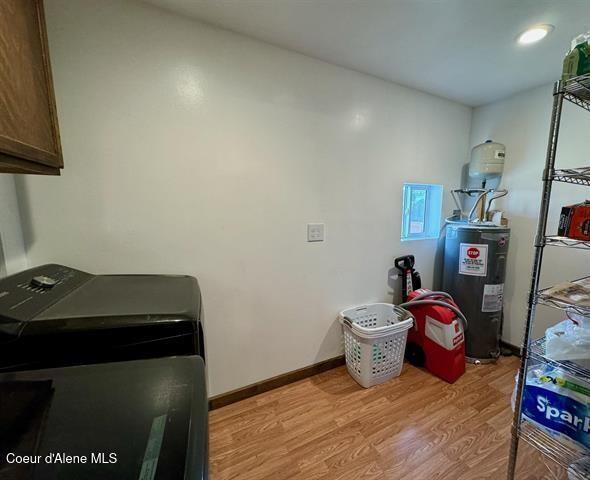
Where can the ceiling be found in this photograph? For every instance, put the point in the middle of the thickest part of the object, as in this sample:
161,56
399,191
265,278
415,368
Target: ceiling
464,50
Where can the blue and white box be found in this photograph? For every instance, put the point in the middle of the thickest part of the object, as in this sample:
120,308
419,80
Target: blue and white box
559,403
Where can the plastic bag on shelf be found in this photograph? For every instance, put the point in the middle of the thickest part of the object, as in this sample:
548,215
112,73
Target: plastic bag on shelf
569,340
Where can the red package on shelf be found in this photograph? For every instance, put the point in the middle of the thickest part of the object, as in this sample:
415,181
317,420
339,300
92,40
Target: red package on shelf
574,221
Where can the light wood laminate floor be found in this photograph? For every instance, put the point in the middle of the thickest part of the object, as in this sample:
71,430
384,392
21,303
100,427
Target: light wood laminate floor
415,426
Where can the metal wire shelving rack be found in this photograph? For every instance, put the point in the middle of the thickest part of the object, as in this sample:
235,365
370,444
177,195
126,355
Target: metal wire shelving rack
576,91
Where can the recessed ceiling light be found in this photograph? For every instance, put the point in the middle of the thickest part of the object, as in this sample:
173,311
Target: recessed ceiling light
534,34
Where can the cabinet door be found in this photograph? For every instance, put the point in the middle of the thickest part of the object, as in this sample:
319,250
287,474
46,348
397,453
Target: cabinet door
29,134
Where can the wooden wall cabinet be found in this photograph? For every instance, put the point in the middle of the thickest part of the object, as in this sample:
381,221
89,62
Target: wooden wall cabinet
29,133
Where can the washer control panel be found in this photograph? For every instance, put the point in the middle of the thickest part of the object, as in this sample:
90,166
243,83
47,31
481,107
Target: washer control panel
43,281
25,294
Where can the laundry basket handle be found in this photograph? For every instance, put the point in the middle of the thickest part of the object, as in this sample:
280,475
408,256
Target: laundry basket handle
402,316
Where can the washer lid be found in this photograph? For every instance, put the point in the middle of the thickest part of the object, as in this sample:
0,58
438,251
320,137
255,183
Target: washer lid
150,297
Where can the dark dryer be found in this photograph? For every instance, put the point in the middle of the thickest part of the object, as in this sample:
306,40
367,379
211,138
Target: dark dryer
144,419
53,315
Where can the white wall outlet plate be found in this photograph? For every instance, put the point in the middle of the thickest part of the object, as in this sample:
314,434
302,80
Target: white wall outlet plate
315,232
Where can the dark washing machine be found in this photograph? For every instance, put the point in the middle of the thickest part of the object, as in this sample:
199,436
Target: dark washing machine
144,419
53,316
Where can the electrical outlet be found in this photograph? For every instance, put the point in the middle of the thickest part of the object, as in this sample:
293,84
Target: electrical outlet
315,232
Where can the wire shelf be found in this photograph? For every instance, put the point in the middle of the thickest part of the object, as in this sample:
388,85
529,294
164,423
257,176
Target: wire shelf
577,91
566,242
537,353
552,448
577,176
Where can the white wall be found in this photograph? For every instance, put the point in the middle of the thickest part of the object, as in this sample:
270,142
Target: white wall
11,235
522,123
193,150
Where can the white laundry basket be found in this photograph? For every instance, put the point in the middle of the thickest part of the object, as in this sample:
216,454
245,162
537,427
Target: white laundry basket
375,341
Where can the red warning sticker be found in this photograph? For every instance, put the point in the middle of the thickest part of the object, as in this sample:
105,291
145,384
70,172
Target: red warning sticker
473,259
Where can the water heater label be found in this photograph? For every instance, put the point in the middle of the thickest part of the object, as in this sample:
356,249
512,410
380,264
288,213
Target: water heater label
473,259
493,298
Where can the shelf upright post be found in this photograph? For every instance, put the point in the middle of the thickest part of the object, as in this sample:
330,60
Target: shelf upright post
548,173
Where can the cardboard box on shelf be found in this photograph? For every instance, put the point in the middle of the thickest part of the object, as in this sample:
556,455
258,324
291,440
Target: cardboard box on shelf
574,221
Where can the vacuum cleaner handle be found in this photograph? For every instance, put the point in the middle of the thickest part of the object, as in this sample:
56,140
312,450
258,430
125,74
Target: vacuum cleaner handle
404,263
